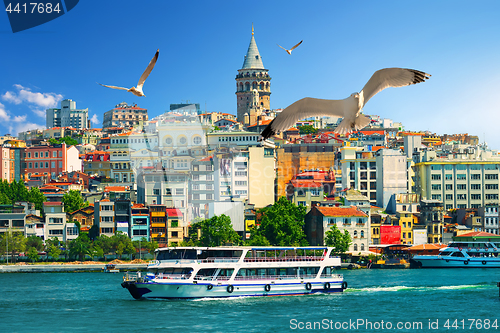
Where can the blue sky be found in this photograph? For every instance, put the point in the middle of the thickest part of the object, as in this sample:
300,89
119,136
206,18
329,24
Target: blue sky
202,45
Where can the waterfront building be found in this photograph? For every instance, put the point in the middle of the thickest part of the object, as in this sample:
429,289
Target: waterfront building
35,226
432,217
253,85
309,186
355,221
468,178
489,215
119,153
124,115
202,186
55,221
158,187
6,164
68,116
139,224
104,217
406,221
391,175
84,216
12,218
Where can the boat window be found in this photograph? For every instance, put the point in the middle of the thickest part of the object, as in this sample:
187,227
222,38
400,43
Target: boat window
206,272
445,253
457,254
226,272
308,271
328,270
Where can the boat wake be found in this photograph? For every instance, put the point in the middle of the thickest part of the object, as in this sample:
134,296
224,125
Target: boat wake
416,288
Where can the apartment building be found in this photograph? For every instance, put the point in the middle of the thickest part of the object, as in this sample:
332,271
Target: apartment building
67,116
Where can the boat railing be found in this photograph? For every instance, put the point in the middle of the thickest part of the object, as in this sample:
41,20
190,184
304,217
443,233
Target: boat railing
284,259
274,277
325,276
216,260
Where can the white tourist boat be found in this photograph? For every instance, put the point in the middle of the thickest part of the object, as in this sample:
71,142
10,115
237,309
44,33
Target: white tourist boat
462,254
196,272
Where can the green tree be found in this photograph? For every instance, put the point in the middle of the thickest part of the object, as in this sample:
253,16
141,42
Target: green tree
307,129
257,240
152,246
36,197
96,251
215,231
104,242
34,242
340,241
54,252
94,232
73,201
282,224
80,247
33,254
12,243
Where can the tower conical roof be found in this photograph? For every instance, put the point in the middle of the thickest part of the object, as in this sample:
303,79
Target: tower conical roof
253,59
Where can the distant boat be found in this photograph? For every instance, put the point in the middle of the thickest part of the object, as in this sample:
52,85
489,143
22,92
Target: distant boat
458,254
111,268
198,272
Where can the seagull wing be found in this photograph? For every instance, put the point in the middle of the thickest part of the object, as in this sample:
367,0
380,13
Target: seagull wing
391,77
282,47
148,70
114,87
303,108
296,45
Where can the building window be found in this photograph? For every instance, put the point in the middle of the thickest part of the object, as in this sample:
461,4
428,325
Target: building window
179,191
156,191
436,177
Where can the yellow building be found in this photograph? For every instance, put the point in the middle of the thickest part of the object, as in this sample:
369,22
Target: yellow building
405,219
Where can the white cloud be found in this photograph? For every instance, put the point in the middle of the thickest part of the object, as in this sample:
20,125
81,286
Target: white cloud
3,113
94,119
19,119
36,101
22,127
40,113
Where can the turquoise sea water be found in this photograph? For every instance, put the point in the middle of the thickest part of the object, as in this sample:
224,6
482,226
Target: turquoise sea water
64,302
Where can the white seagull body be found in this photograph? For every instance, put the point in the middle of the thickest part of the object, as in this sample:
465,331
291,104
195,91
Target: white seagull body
349,108
138,90
290,51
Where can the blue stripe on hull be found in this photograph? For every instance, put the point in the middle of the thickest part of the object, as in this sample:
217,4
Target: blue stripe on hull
337,290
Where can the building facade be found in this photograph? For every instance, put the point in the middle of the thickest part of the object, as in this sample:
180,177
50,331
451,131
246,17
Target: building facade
124,115
67,116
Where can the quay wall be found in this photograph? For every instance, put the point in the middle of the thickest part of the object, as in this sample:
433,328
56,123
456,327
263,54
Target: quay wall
68,268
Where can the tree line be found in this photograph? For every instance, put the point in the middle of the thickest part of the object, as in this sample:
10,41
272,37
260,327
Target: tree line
77,249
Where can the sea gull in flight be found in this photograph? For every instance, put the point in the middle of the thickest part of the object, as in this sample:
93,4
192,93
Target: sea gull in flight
138,90
290,51
349,108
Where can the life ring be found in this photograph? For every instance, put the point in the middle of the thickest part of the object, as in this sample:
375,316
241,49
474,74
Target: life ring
210,286
308,286
484,262
466,262
460,249
344,285
327,286
447,260
230,289
267,287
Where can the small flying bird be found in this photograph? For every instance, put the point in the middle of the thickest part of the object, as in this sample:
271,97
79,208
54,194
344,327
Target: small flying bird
349,108
138,90
290,51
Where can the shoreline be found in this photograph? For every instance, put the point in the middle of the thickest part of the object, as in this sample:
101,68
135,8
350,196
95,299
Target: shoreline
68,268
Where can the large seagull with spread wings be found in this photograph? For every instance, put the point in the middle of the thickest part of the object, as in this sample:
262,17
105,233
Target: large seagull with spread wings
138,90
349,108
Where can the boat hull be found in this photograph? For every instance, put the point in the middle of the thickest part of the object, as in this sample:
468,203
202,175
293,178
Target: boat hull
185,290
450,262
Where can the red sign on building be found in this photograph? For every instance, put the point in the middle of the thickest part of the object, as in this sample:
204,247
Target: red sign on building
390,234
